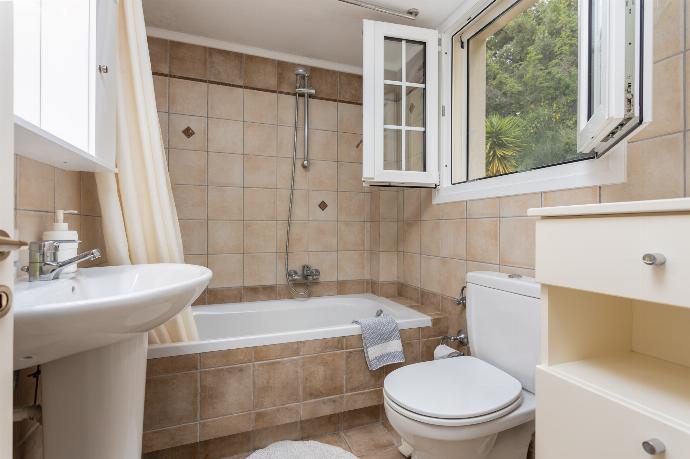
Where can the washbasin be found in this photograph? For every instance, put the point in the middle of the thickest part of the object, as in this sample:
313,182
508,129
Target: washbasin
98,307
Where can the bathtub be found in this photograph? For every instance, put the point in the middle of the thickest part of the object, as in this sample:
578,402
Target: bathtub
238,325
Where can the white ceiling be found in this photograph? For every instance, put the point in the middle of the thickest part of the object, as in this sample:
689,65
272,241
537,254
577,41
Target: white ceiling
319,30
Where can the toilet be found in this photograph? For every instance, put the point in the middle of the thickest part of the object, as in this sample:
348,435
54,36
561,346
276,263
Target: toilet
478,407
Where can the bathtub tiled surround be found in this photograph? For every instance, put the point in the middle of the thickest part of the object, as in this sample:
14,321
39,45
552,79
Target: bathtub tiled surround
228,124
256,394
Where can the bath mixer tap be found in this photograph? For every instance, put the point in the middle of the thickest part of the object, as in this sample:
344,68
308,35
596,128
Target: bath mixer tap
43,260
308,274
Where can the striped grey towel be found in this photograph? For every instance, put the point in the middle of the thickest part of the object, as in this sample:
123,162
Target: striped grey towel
381,338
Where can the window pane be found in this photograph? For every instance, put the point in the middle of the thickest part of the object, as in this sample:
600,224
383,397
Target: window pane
392,149
392,59
414,107
522,90
595,63
392,105
415,158
415,57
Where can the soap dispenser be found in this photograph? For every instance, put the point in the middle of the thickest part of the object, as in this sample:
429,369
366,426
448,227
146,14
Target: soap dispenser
59,231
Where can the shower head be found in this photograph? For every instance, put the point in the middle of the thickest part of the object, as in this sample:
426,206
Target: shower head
301,71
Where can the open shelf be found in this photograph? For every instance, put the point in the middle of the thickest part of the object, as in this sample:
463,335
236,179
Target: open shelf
654,386
33,142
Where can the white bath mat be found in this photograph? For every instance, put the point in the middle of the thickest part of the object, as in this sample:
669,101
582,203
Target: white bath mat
301,450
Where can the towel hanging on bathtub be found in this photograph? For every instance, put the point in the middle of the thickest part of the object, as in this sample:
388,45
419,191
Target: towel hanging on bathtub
382,344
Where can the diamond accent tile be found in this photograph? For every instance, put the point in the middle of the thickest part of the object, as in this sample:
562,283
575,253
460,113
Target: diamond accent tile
323,205
188,132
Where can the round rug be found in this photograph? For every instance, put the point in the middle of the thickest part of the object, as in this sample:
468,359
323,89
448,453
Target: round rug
301,450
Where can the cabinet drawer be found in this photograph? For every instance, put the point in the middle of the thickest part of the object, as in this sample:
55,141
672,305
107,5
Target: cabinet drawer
604,255
575,423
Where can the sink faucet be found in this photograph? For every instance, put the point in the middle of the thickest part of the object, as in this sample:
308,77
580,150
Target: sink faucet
43,260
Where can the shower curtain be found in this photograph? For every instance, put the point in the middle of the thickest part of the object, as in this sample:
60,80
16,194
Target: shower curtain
139,217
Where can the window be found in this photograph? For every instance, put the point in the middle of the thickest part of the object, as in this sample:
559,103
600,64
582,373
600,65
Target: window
533,95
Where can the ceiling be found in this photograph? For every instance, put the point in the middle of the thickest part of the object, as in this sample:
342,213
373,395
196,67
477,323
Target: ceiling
323,30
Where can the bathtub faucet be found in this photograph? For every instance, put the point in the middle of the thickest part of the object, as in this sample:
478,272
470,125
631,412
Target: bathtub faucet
308,274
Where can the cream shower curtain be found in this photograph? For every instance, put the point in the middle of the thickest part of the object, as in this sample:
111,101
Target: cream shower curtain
139,218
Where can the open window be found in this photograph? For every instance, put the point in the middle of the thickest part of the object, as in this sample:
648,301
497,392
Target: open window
529,97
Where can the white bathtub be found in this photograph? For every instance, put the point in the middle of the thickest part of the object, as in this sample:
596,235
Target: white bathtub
236,325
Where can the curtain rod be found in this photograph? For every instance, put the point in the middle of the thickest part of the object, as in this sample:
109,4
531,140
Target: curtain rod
411,14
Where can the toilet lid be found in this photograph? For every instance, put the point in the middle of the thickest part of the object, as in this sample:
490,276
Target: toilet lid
454,388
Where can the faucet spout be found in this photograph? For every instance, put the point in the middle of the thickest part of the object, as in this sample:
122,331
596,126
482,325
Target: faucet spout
43,263
61,265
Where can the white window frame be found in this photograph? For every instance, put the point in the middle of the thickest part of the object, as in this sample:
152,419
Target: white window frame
608,169
373,110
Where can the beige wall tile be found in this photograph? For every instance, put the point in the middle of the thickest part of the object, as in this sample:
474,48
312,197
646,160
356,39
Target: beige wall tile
226,391
224,426
30,196
225,203
388,236
412,201
330,212
260,72
225,237
323,145
353,265
187,60
516,206
187,167
411,236
662,180
350,118
589,195
431,238
225,66
259,204
226,358
163,121
325,82
227,270
276,383
667,94
225,136
453,238
170,400
190,201
299,205
452,276
323,115
483,208
188,97
159,54
350,87
260,139
193,236
67,190
168,438
350,177
517,242
178,124
225,102
259,269
388,270
259,237
389,205
322,175
260,106
260,171
323,236
277,351
160,88
327,262
285,174
351,236
277,416
430,275
668,28
350,147
225,169
323,375
351,206
482,240
410,269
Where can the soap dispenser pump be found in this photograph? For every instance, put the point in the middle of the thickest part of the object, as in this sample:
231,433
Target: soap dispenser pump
59,231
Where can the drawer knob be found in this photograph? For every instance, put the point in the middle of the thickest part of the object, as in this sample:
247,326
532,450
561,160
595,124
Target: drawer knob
652,259
653,446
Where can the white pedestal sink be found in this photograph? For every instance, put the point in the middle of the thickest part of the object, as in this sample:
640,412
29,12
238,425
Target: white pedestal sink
89,335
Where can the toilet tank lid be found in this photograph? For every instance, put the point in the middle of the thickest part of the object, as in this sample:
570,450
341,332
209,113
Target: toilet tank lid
521,285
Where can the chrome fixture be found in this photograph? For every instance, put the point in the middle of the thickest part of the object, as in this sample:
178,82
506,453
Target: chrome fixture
653,446
308,273
461,338
462,299
410,14
652,259
43,260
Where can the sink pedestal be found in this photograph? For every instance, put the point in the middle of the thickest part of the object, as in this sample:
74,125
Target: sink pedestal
93,402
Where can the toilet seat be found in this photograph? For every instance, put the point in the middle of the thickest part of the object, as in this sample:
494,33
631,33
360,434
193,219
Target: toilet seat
452,392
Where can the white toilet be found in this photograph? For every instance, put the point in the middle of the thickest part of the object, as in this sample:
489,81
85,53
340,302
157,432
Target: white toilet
479,407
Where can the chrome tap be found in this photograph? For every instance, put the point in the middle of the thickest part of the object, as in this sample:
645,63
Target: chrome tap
308,274
43,260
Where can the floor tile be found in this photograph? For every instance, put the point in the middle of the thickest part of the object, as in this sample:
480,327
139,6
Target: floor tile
368,439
